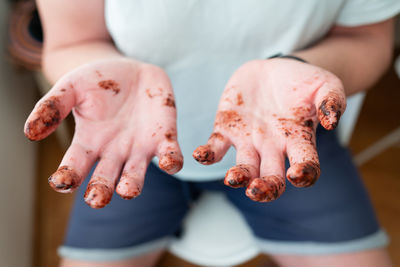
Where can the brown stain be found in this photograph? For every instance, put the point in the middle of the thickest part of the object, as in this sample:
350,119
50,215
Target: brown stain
63,90
110,85
169,101
239,99
88,152
48,117
171,162
131,196
301,112
170,135
307,135
98,195
308,123
216,135
157,92
148,93
229,119
304,174
298,127
98,73
238,176
64,180
329,113
204,155
266,189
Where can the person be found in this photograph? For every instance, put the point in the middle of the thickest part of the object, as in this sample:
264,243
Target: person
137,73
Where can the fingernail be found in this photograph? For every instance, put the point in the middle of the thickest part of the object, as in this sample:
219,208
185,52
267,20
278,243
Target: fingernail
329,114
238,176
64,180
303,174
98,195
171,162
266,189
48,116
204,155
127,188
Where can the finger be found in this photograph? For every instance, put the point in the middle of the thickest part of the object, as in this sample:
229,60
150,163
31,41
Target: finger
330,103
304,163
271,183
49,112
170,156
213,151
132,179
101,186
74,167
247,167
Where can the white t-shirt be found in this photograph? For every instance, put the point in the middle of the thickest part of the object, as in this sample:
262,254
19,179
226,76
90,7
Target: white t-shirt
200,43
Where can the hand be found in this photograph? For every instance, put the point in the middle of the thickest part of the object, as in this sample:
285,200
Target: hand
269,109
125,114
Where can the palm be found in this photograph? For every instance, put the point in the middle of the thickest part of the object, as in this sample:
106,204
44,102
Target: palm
124,113
269,110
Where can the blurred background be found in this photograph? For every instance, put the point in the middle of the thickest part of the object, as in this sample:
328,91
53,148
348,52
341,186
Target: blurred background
33,217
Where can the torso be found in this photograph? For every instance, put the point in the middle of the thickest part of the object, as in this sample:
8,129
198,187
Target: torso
200,43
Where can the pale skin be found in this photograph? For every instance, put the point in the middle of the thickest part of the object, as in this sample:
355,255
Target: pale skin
113,103
280,121
93,73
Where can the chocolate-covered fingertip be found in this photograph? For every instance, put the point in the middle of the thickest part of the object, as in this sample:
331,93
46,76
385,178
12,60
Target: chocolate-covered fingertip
266,189
303,174
171,162
46,118
329,113
204,155
238,176
64,180
97,196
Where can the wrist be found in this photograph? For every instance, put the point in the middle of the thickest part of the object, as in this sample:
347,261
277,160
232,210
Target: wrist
58,61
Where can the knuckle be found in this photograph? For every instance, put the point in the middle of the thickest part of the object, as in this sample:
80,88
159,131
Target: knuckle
149,70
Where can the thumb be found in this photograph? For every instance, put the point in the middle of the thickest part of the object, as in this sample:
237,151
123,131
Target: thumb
49,112
330,103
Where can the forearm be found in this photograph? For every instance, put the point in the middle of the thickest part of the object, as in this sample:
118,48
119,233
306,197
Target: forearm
358,57
58,61
75,33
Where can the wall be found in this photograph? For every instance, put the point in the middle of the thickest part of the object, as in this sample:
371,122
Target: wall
17,159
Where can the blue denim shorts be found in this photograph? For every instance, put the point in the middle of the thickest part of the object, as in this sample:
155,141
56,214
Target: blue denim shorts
334,215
